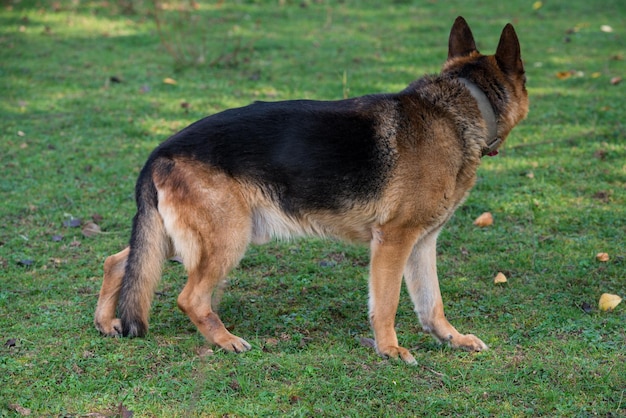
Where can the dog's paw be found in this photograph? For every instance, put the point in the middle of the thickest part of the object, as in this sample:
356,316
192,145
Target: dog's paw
233,344
395,352
468,342
112,328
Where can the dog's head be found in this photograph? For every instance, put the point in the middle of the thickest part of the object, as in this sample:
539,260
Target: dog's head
500,76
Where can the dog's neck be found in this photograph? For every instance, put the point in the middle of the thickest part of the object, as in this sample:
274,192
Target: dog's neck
486,110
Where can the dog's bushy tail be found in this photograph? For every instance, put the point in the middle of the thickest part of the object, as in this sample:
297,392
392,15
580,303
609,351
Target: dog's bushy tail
149,246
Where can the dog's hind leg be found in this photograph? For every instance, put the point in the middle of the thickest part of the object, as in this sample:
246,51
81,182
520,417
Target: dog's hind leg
390,249
423,285
209,221
105,320
196,300
223,245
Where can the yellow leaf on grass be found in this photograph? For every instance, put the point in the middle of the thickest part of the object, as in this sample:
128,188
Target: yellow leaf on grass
486,219
603,257
606,29
596,75
500,278
168,80
537,5
608,302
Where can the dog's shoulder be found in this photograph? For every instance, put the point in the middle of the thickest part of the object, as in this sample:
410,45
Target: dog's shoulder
438,100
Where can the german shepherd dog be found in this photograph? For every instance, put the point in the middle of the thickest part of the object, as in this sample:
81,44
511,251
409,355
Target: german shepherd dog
387,170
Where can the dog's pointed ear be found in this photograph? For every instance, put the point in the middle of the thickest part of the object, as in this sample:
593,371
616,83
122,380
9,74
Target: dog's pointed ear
461,42
508,54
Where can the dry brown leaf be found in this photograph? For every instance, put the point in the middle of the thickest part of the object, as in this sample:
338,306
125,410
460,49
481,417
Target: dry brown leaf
486,219
169,80
603,257
608,302
562,75
20,409
124,412
91,229
272,342
500,278
204,352
367,342
616,80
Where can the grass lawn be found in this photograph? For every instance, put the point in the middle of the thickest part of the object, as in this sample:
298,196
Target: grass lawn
89,88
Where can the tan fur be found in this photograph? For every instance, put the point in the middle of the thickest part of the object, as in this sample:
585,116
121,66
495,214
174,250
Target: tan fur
105,320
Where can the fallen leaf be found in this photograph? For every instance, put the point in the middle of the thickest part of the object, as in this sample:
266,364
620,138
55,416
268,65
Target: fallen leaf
602,257
234,385
20,133
606,28
97,217
168,80
484,220
600,154
20,409
204,352
608,302
124,412
603,196
616,80
367,342
91,229
272,342
500,278
72,223
563,75
597,74
537,5
26,262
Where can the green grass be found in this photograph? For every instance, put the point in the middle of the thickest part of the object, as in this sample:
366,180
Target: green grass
72,143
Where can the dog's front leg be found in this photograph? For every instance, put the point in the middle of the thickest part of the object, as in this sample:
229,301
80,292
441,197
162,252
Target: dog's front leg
423,285
390,250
